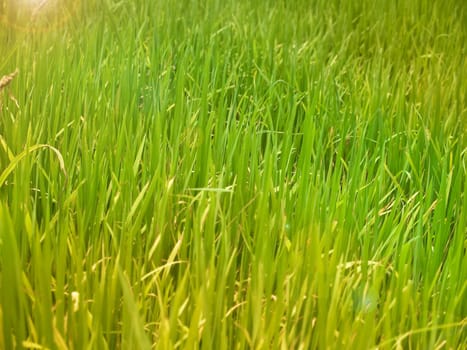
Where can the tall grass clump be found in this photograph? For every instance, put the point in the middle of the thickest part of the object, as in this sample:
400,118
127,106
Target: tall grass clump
233,174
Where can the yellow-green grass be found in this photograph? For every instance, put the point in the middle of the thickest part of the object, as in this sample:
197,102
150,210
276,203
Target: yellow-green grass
234,175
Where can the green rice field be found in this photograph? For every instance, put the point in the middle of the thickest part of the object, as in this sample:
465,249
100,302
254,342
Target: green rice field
233,174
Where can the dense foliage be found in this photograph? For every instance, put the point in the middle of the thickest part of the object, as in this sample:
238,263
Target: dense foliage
233,174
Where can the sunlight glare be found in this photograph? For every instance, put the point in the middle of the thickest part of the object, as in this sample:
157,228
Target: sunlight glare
37,15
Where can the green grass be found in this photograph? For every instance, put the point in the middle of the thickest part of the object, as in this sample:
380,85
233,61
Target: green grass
230,175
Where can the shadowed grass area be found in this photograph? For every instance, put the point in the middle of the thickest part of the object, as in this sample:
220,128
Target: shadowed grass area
230,175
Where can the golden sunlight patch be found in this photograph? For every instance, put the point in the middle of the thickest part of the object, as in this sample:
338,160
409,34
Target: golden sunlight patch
36,15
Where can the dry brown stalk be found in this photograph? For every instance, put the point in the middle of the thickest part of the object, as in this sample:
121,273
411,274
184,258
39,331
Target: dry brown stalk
6,79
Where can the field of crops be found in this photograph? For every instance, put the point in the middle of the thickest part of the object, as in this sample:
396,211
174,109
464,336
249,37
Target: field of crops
233,174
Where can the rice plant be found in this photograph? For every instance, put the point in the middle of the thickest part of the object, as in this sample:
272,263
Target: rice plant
233,174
